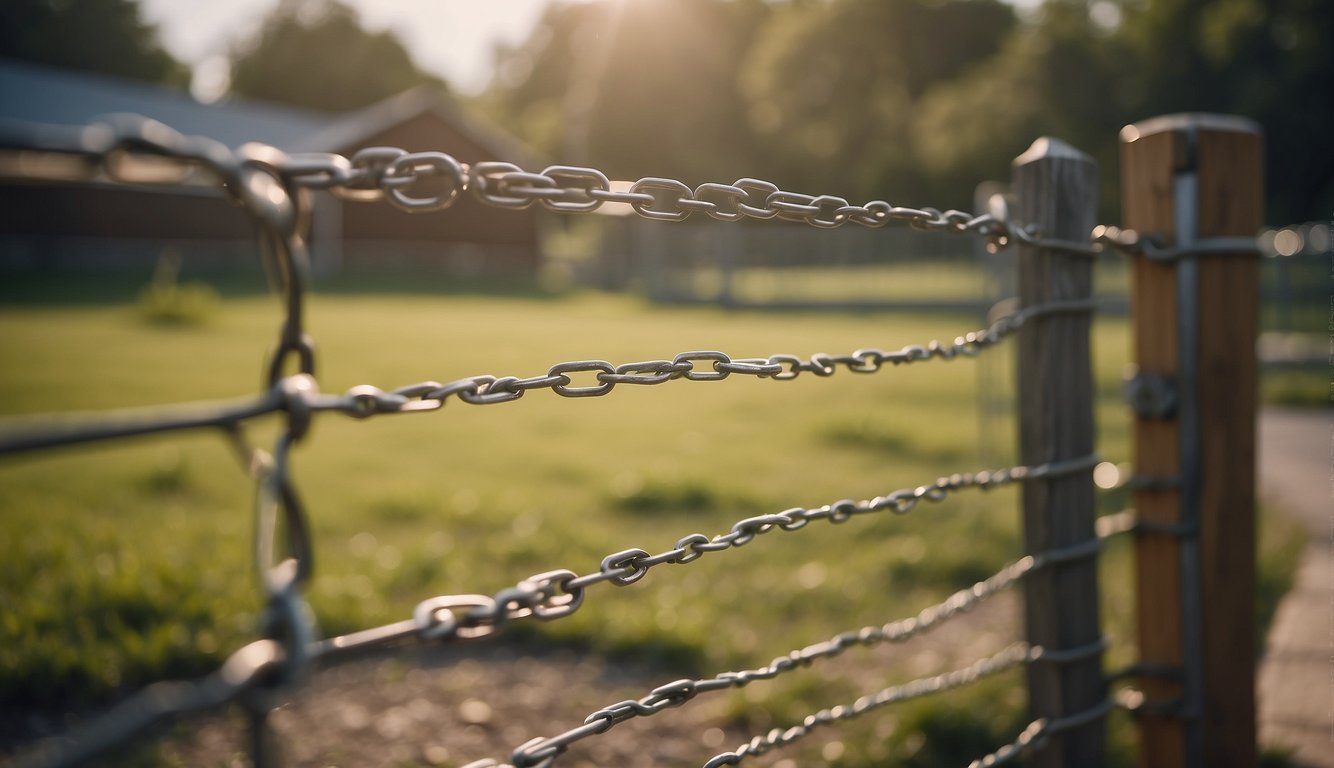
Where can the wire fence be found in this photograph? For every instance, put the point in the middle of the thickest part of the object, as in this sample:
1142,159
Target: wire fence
273,188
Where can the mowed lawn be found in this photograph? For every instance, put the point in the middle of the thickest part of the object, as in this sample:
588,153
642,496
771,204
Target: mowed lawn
131,561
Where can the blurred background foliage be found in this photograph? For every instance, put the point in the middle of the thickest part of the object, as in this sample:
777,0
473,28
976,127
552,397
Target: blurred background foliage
318,56
914,101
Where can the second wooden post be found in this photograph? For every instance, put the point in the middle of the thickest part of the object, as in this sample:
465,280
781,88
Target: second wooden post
1056,190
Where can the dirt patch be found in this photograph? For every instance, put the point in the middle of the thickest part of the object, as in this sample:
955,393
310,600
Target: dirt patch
452,705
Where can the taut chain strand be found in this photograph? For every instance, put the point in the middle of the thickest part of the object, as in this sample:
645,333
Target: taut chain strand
704,365
299,393
542,751
556,594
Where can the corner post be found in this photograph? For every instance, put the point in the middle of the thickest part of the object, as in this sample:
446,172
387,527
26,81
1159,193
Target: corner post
1056,189
1187,178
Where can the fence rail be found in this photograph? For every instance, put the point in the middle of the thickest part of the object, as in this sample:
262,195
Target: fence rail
1054,190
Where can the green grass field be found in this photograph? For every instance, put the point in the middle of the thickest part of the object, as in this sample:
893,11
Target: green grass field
128,562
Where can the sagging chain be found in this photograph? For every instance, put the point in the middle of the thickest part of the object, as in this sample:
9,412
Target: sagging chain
703,365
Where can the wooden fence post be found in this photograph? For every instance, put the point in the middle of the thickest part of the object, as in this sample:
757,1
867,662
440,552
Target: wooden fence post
1188,178
1056,188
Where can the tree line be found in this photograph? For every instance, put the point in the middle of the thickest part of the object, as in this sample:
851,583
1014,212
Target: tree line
913,101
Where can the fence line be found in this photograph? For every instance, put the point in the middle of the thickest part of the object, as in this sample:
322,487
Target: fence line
27,434
274,189
539,752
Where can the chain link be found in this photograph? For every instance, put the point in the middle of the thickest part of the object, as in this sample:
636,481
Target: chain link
701,365
134,150
273,188
364,400
559,593
542,751
1008,658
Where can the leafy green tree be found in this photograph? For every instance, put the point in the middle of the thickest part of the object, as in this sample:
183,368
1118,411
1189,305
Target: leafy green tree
832,87
104,36
915,100
1266,59
315,54
1065,75
1058,76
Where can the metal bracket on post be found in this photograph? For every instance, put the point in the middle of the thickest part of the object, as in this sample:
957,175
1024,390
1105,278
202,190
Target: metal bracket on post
1150,395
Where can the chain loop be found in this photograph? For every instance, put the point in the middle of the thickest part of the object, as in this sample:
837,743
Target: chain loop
408,170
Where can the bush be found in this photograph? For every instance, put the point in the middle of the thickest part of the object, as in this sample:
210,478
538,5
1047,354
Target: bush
167,302
193,303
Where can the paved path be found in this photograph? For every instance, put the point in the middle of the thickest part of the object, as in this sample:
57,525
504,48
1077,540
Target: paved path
1296,676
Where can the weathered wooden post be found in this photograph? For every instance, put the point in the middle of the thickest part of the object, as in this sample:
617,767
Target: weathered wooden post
1189,179
1056,189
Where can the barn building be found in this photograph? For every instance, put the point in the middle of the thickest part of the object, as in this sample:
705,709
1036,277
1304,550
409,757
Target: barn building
93,225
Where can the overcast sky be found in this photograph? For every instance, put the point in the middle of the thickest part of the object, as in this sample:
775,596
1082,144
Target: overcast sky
452,38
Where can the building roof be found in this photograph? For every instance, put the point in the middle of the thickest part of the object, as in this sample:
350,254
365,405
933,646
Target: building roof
37,94
351,129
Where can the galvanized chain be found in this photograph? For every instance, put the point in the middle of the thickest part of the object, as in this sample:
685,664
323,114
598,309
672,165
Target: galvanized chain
18,435
702,365
420,182
1008,658
542,754
132,149
272,186
546,596
1038,733
541,751
559,593
1034,736
432,181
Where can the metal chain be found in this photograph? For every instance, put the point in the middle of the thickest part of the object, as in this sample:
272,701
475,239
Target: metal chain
1033,736
272,187
134,150
702,365
19,435
253,664
556,594
420,182
541,751
1008,658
